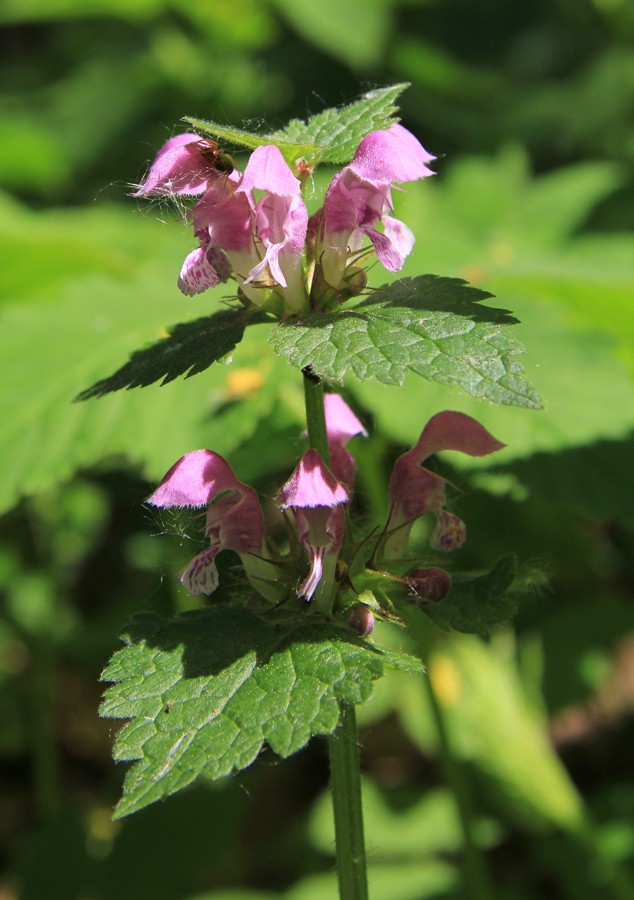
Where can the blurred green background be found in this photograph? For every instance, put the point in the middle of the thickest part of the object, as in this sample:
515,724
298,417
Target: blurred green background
530,111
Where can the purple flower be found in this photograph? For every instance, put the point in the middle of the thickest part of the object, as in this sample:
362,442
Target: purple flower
341,426
358,199
316,498
183,165
415,490
233,521
223,224
254,224
281,220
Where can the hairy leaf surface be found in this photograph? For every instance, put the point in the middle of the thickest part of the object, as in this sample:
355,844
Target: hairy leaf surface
204,692
330,136
432,326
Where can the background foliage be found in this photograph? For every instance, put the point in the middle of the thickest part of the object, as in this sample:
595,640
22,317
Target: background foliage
529,109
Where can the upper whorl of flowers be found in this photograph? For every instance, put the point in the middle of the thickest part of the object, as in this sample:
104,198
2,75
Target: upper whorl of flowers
254,224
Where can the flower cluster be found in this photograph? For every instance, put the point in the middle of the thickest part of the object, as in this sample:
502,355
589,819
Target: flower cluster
316,496
254,224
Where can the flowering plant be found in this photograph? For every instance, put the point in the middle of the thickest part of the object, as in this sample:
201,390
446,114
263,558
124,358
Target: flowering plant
259,239
280,653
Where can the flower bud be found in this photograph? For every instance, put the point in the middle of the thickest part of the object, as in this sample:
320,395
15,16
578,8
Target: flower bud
430,585
361,620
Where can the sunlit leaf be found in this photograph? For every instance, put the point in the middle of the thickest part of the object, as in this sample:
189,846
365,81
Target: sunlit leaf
330,136
205,692
428,325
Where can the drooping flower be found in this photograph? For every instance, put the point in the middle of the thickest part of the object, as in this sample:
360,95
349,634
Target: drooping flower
358,199
316,498
414,490
233,521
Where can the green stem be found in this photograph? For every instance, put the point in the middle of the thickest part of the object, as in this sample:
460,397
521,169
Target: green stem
476,876
315,416
345,784
345,774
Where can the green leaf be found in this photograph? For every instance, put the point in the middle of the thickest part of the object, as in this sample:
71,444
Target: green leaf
429,325
492,222
85,286
337,132
189,349
495,728
330,136
474,605
205,691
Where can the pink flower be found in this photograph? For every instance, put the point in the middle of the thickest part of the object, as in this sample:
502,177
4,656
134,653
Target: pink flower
316,498
341,426
234,519
359,198
223,224
186,164
415,490
260,237
281,220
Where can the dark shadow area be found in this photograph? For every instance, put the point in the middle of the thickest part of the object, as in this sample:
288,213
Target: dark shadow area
214,639
190,348
576,478
438,293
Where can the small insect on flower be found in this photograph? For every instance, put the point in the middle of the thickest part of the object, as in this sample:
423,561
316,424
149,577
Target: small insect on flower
217,157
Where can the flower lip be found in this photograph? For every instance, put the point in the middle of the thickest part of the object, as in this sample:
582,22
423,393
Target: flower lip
194,480
452,430
180,167
311,485
391,155
267,170
341,422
